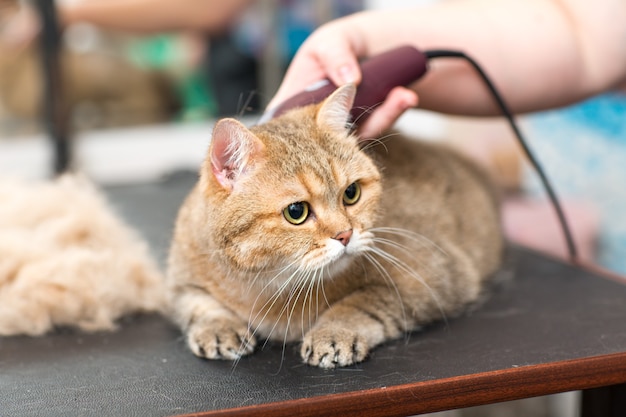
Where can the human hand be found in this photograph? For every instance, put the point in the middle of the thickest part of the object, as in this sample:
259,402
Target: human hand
332,52
21,28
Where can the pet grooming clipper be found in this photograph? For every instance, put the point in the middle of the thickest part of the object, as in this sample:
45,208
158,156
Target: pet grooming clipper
380,74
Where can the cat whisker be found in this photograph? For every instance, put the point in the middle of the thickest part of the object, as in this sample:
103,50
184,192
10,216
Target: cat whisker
279,272
294,296
417,238
388,135
309,297
390,283
306,279
319,282
367,144
395,245
296,274
245,105
253,282
297,290
271,302
300,277
328,304
405,268
371,142
366,110
413,236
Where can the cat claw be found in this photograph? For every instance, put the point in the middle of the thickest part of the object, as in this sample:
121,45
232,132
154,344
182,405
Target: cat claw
213,342
331,350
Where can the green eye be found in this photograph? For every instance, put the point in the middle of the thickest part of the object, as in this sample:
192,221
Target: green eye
296,213
352,194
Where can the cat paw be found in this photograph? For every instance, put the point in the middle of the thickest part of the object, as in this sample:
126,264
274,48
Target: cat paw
221,339
332,348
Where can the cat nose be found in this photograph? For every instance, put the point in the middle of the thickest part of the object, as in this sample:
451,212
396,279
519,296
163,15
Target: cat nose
344,237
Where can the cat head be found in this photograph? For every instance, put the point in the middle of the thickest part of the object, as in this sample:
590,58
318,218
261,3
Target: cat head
296,192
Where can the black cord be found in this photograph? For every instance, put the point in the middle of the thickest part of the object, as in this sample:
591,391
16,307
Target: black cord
571,246
56,115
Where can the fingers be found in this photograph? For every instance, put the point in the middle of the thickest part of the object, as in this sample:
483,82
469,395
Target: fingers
339,62
21,29
384,116
303,71
330,52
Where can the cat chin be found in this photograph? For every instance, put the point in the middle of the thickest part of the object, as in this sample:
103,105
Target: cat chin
334,258
340,265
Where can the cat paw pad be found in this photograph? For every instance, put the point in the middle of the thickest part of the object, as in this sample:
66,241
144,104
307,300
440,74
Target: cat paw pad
332,349
220,340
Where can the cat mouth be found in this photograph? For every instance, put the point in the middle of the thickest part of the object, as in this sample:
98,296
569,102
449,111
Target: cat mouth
336,256
327,260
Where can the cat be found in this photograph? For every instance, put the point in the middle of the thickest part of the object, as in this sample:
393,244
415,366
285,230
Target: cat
68,260
297,231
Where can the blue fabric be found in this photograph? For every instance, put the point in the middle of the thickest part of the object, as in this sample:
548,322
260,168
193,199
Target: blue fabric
583,149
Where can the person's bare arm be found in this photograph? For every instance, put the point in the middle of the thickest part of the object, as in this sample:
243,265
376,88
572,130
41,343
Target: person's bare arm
146,16
539,53
134,16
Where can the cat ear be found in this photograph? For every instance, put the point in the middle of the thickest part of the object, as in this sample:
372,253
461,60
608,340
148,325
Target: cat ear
334,113
233,150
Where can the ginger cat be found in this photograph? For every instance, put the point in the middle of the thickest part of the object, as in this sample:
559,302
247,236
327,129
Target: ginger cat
296,232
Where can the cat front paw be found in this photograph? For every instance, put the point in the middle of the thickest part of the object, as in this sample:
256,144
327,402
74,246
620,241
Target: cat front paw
330,348
220,339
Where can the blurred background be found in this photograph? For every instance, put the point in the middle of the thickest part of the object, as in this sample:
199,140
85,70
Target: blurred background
139,102
129,87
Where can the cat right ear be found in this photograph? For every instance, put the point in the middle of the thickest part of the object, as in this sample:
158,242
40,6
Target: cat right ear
334,113
233,151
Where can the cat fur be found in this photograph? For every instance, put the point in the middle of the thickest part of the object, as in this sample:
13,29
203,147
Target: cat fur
66,259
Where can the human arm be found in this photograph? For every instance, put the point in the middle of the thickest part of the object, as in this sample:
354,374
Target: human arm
135,16
148,16
539,53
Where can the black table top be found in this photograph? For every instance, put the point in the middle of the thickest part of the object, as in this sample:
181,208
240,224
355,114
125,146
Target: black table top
541,311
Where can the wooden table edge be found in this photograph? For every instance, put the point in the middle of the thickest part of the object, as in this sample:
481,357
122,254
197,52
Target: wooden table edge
450,393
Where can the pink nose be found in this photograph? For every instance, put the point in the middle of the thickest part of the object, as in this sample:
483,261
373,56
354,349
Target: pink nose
344,237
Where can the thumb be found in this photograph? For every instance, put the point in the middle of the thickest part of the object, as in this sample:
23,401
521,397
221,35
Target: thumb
330,52
340,64
337,49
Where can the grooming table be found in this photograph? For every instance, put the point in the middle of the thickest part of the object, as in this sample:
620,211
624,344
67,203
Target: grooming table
548,327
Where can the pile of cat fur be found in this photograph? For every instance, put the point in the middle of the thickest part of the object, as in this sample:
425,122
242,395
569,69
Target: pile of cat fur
67,260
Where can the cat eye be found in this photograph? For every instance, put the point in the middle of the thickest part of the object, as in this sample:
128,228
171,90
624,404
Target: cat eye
352,194
296,213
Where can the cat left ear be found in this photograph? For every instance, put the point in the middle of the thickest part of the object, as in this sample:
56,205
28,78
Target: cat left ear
334,113
233,150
